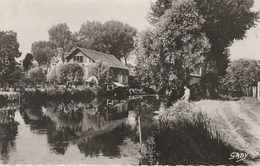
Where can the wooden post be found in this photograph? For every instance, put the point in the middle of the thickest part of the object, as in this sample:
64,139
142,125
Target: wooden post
254,91
258,91
140,134
139,126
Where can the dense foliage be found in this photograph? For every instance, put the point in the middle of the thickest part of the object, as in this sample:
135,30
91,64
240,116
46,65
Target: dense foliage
27,62
36,75
102,72
175,47
9,50
59,92
18,74
62,37
225,21
65,74
112,37
43,52
242,73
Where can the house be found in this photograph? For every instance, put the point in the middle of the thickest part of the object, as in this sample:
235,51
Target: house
86,57
195,76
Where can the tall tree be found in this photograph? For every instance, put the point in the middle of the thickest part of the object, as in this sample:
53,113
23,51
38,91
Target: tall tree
9,50
242,72
112,37
158,8
43,52
61,36
27,62
90,36
173,48
226,21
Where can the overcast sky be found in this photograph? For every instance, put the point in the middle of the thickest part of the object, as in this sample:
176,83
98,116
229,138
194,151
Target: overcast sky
31,19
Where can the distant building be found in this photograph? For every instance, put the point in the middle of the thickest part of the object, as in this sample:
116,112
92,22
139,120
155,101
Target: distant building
86,57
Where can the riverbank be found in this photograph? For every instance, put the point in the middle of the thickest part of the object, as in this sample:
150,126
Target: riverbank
61,93
233,124
185,136
238,121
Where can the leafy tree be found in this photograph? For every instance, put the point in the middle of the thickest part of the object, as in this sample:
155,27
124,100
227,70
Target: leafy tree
18,75
9,50
226,21
112,37
51,76
167,53
242,72
43,52
158,8
64,74
36,75
90,36
70,73
27,62
102,72
62,37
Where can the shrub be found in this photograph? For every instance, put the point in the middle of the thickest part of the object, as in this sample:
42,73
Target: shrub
60,92
36,75
102,72
52,76
197,92
64,74
70,73
34,94
185,137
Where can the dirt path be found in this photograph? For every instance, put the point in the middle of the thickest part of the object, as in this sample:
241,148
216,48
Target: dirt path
238,122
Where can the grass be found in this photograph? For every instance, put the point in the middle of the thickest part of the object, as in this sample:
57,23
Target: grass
186,137
238,121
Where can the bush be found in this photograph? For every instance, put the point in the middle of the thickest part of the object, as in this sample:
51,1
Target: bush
60,92
197,92
102,72
36,75
33,94
52,76
70,73
64,74
185,137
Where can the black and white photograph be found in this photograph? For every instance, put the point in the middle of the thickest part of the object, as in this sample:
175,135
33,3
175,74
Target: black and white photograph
129,82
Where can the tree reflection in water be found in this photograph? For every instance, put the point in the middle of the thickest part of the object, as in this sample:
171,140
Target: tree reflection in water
144,108
106,144
97,128
8,131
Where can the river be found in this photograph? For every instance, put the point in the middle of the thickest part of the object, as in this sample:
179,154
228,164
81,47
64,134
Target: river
98,131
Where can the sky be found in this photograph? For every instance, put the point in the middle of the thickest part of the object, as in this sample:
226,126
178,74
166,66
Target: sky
31,20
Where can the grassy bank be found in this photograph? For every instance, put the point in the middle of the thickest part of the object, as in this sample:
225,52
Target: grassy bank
186,137
239,121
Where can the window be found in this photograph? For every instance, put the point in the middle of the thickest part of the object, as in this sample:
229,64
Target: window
79,59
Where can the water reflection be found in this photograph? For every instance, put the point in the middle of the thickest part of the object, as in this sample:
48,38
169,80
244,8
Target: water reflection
8,130
101,127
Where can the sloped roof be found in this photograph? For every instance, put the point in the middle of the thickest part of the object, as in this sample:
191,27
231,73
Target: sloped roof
95,55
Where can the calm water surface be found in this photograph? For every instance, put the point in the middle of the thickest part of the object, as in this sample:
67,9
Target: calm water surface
100,131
